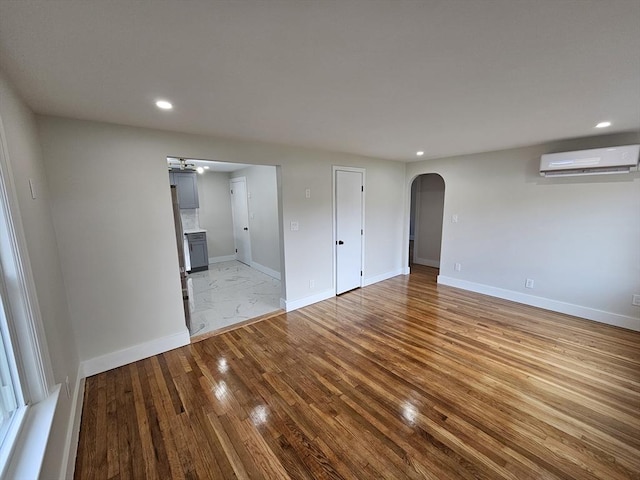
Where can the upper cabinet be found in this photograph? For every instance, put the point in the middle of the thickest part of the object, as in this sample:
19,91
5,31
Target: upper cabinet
187,186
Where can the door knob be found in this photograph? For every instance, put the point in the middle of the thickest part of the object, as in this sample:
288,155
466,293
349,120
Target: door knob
340,242
246,228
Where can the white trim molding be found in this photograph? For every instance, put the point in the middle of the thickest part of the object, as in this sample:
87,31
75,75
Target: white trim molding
28,454
384,276
363,171
19,291
546,303
73,431
303,302
266,270
224,258
134,353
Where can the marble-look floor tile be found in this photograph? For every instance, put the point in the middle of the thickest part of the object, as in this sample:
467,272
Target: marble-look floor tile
229,293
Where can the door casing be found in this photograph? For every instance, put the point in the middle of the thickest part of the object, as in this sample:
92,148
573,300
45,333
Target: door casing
335,171
240,215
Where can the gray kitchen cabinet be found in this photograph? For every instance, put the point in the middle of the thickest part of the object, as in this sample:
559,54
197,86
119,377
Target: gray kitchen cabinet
198,251
187,185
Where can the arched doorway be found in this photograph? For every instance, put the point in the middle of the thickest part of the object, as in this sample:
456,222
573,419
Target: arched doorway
425,224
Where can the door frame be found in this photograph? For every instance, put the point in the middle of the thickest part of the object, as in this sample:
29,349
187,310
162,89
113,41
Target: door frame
234,213
416,219
334,208
416,235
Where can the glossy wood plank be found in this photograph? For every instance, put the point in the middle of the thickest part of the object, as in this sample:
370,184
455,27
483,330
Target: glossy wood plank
402,379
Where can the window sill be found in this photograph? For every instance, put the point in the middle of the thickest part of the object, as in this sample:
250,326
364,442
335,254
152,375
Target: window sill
31,444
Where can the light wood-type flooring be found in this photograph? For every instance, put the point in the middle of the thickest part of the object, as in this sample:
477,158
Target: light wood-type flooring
401,379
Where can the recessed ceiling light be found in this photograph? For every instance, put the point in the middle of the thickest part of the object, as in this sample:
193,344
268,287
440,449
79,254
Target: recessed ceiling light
420,153
200,170
164,105
603,125
206,167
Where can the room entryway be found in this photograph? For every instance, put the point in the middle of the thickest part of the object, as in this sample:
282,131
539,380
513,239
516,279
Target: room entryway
349,227
240,215
229,235
425,224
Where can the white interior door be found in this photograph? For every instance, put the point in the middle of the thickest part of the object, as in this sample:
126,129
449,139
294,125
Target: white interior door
349,229
240,214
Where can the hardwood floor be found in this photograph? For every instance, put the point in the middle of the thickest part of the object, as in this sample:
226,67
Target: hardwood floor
402,379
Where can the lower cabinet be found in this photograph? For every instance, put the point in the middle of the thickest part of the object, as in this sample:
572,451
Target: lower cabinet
198,252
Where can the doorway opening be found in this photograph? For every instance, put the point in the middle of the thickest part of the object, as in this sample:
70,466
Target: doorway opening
348,217
425,220
231,228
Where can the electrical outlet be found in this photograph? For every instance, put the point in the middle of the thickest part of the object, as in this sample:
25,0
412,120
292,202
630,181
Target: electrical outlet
635,300
529,283
312,283
307,193
454,218
457,267
295,226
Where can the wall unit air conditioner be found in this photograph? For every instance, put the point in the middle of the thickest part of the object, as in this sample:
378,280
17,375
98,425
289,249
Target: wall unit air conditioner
596,161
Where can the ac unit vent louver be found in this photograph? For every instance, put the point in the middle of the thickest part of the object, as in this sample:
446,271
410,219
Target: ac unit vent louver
597,161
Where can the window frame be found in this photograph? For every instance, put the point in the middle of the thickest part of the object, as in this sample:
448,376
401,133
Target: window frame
24,329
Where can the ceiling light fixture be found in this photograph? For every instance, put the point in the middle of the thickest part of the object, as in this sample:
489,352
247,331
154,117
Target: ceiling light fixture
603,125
164,105
420,153
206,167
200,170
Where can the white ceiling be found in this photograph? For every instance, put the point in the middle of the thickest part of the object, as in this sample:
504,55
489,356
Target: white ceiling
375,77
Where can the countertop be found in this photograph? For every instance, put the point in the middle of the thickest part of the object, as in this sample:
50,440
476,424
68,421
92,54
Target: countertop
195,230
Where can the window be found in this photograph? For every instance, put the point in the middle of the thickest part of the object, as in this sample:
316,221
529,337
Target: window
26,377
8,402
12,405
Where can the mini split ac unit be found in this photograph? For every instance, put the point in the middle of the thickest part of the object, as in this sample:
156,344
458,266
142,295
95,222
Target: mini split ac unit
591,162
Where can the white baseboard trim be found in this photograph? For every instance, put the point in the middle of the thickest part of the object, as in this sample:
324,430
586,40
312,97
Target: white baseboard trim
427,262
379,278
554,305
406,270
303,302
224,258
134,353
73,432
266,270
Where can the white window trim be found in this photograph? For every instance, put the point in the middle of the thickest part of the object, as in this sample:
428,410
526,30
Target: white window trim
26,331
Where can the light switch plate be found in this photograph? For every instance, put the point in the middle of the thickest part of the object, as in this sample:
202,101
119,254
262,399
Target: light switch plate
32,187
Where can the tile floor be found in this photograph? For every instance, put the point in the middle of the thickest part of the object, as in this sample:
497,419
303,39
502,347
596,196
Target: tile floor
228,293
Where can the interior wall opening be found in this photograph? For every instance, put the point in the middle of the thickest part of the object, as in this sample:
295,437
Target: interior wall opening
229,241
425,220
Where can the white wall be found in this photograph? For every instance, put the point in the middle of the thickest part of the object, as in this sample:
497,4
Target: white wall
215,213
104,178
264,226
576,237
25,161
428,222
